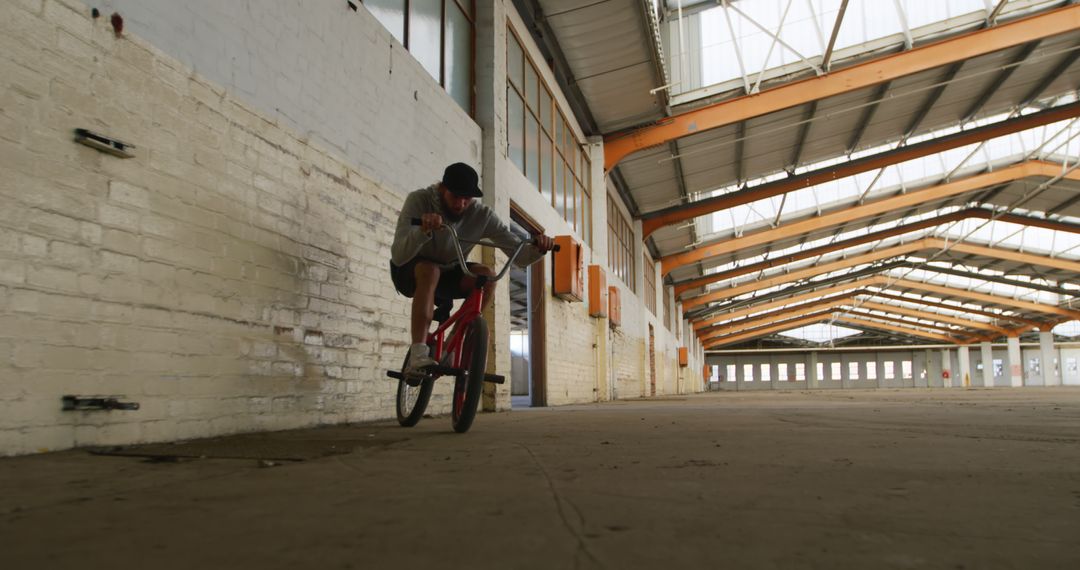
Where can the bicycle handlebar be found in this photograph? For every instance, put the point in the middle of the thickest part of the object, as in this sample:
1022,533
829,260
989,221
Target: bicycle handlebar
461,255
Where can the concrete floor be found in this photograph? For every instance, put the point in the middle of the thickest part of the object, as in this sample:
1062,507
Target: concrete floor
887,479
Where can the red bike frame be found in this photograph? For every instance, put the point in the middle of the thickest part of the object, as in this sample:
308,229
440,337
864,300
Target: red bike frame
463,316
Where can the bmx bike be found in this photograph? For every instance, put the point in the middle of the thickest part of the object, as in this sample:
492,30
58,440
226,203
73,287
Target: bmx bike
463,356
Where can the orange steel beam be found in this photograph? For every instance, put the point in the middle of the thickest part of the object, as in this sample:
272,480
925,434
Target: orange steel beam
928,303
855,311
786,314
970,213
825,317
860,76
676,214
786,325
882,281
712,321
714,331
811,271
937,317
833,303
857,320
841,216
993,299
1009,255
896,251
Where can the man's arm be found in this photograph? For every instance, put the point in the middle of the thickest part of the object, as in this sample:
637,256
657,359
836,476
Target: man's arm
408,239
498,232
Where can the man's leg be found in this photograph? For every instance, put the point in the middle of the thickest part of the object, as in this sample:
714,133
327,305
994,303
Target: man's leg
423,303
468,283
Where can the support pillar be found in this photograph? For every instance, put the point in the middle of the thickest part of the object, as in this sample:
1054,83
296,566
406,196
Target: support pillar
946,369
933,368
987,352
1015,368
811,371
1051,377
964,376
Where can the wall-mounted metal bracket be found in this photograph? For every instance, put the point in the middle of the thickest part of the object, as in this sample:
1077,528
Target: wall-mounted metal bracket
96,403
104,144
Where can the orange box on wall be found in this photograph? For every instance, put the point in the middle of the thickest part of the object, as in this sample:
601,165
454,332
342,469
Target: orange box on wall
684,356
614,307
598,292
569,281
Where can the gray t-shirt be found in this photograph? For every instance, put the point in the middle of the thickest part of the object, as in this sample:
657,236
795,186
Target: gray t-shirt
478,222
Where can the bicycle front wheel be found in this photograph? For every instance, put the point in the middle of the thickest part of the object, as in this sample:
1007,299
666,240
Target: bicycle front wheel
412,400
468,387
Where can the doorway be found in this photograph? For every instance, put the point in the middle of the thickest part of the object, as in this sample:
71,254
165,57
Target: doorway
528,380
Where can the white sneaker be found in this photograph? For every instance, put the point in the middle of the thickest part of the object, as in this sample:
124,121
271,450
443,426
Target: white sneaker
418,359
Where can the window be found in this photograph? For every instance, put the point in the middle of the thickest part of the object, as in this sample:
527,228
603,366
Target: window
871,370
541,143
730,373
620,245
820,370
800,371
905,368
748,372
766,372
853,370
890,369
439,34
835,371
782,372
650,281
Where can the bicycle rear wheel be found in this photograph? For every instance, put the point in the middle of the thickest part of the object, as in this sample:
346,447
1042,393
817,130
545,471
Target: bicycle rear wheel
468,387
412,401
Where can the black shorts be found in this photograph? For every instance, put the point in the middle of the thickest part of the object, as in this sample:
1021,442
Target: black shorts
449,286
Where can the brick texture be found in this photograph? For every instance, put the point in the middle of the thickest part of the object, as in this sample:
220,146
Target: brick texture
230,277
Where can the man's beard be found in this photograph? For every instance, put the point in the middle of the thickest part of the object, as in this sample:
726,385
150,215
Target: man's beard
451,216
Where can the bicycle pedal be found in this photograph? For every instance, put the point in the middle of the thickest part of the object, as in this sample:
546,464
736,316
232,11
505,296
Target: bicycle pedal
494,378
443,370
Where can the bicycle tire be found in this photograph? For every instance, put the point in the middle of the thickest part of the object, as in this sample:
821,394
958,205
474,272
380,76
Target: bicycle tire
407,415
467,389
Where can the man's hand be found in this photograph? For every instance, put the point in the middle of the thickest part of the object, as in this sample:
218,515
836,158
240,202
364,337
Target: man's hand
543,243
430,222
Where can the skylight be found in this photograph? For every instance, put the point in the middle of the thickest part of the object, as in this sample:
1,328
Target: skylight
719,46
820,333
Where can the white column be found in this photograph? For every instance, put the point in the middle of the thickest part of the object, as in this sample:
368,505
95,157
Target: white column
811,371
1015,364
933,368
964,378
946,366
988,364
1046,355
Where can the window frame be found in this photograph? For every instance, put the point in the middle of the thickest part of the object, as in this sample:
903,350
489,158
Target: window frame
468,10
569,157
620,245
650,281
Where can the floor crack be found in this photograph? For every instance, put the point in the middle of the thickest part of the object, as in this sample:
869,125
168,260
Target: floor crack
559,500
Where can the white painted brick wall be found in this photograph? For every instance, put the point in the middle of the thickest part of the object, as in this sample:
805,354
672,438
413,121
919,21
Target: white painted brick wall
230,277
319,69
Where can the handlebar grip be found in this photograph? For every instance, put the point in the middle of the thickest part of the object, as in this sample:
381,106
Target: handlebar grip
416,221
556,248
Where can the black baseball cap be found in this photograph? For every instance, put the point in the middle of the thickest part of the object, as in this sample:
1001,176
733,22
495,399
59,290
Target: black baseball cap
461,179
